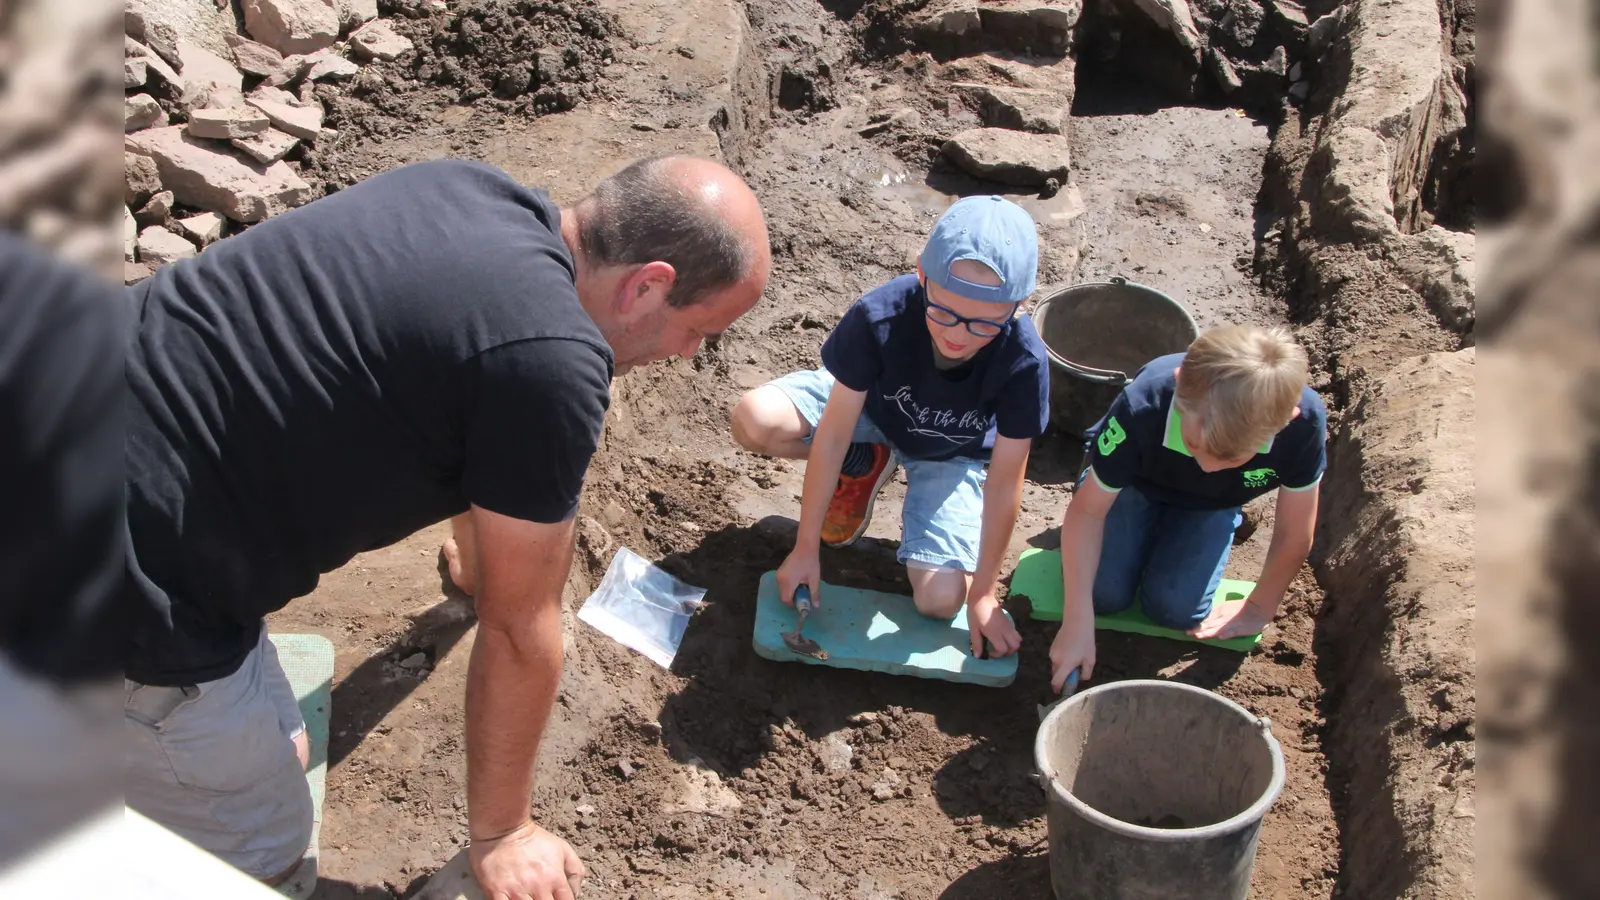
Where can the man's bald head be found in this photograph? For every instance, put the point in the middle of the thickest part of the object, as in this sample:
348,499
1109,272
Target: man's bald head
691,213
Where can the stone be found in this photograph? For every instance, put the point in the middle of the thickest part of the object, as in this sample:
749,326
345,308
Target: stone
202,175
1277,63
133,272
141,179
292,68
130,233
416,662
1174,17
304,122
274,95
1011,157
134,72
141,111
204,229
163,24
158,211
1299,91
1222,70
292,26
378,40
159,36
208,80
268,147
254,58
1321,32
1019,109
154,65
227,124
1292,12
332,67
354,13
901,118
835,754
158,247
1440,265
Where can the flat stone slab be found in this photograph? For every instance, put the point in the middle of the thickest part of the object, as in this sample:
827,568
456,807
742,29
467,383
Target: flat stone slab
1019,109
304,122
268,147
202,175
141,111
876,632
292,26
1011,157
158,247
227,124
378,40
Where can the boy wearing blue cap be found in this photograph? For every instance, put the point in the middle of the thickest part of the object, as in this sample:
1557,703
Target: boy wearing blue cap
941,372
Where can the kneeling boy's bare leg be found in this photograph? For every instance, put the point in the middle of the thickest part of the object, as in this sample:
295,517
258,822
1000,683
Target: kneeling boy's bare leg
461,554
766,421
938,591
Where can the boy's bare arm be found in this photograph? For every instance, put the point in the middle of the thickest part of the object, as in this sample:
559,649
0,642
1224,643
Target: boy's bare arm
1002,497
1294,525
828,448
1082,531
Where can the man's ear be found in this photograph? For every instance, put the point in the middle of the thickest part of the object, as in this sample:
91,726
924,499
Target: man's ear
645,289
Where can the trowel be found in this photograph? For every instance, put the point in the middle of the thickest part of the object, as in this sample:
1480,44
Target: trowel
793,639
1067,690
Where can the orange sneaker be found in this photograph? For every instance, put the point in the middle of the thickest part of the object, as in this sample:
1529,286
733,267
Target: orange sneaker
850,510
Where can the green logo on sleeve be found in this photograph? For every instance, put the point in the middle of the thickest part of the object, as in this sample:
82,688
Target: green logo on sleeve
1111,437
1258,477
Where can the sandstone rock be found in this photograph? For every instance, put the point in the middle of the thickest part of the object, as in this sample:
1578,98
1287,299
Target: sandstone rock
209,81
159,36
377,40
154,65
133,272
900,118
1277,63
1019,109
291,69
227,124
130,233
141,179
1175,18
957,28
1011,157
1292,12
292,26
268,147
303,122
1222,70
164,23
332,67
1439,264
134,72
354,13
158,211
158,247
253,58
142,111
202,175
204,229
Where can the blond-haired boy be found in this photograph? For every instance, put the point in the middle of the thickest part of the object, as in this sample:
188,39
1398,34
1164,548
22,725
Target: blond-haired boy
1189,441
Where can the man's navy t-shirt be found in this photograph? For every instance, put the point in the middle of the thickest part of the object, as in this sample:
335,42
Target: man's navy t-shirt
1139,443
338,377
882,346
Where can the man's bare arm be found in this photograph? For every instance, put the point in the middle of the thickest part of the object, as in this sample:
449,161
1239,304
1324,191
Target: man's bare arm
516,663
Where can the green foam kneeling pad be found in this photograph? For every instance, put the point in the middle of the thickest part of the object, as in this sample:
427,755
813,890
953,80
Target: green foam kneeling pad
1038,576
308,661
876,632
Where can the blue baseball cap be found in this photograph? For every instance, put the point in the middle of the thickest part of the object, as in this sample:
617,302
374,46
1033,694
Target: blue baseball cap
990,230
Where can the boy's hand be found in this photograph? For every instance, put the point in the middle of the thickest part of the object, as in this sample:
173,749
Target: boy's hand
1231,619
800,568
986,620
1073,648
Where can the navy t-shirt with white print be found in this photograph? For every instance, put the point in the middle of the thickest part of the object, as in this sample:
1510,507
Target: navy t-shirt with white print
1139,443
882,346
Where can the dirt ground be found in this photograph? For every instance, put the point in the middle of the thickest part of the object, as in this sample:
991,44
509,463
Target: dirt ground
730,775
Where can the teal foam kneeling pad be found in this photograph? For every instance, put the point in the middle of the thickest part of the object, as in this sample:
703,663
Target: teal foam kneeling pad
877,632
308,661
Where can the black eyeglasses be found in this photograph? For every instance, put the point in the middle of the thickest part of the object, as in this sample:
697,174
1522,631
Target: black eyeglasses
984,328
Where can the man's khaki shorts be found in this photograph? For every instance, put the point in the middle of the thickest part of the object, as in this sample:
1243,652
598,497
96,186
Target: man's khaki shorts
215,763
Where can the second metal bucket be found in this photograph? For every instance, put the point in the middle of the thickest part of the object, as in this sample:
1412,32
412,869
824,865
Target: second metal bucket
1099,335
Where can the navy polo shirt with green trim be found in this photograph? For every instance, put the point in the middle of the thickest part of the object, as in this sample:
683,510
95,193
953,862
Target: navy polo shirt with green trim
1139,444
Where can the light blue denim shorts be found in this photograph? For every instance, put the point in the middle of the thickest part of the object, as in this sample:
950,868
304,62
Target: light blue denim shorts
942,517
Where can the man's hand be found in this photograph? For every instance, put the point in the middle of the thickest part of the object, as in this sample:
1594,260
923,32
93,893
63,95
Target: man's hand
1073,648
800,568
527,864
1234,618
985,619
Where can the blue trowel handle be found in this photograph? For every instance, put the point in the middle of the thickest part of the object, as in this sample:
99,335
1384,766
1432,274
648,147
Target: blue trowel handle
1071,685
802,599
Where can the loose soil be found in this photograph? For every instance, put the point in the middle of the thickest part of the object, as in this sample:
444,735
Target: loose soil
730,775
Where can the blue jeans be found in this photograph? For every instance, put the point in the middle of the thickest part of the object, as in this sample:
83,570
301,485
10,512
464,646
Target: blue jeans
1175,555
942,516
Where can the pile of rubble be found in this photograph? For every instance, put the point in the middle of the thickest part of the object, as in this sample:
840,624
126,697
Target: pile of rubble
212,132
